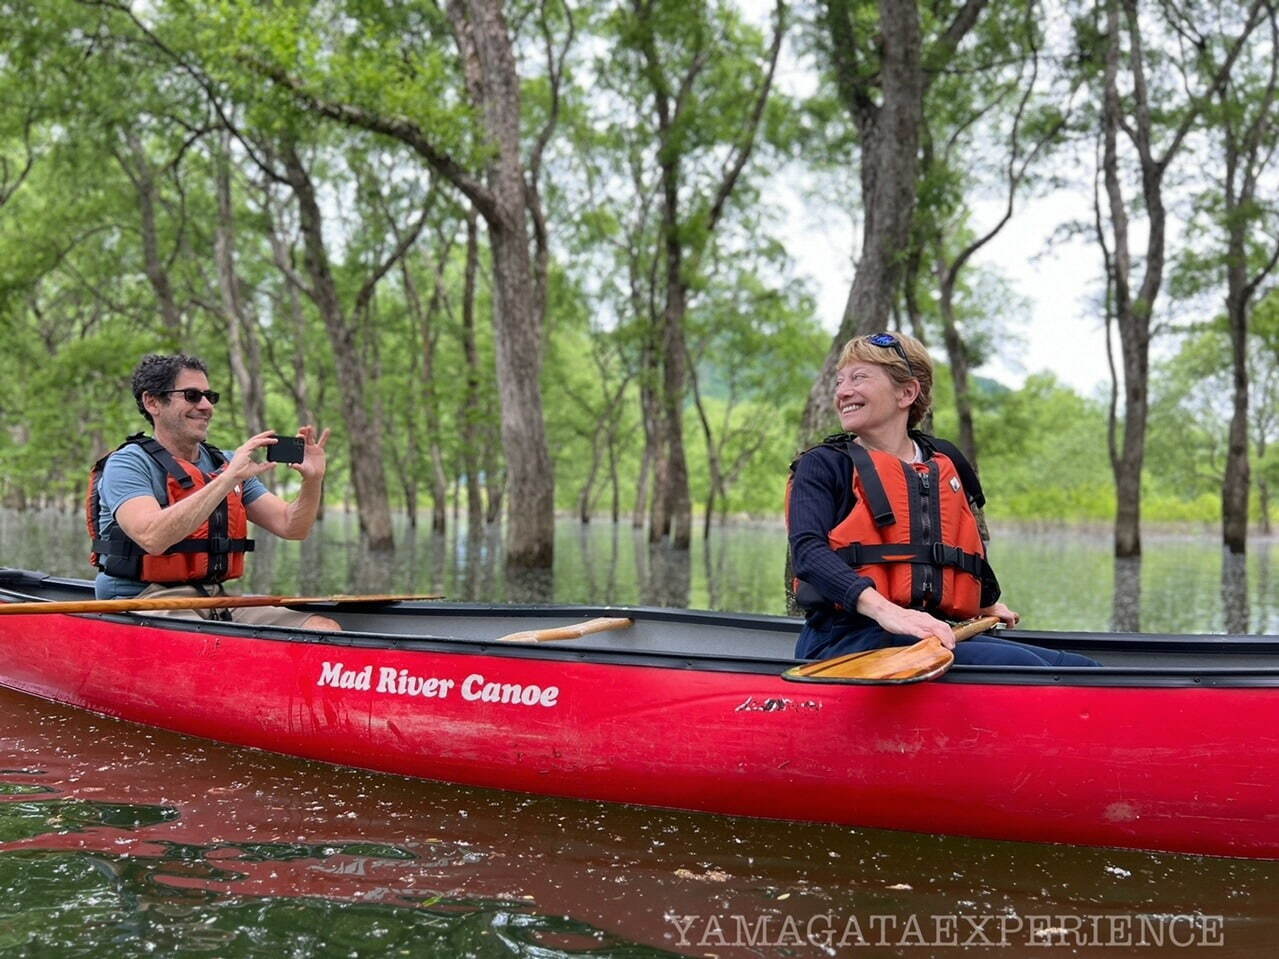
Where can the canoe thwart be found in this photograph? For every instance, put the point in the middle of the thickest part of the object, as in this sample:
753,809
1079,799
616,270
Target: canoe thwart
599,625
926,659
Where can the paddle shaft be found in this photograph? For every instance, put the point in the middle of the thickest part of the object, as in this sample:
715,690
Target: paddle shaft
188,602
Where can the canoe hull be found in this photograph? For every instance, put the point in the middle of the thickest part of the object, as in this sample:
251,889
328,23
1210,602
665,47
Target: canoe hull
1153,768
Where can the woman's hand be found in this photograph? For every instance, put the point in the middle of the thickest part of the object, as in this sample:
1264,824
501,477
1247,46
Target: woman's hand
901,621
1006,615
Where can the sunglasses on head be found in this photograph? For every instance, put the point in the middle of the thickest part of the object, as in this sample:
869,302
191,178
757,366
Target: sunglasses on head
887,341
193,396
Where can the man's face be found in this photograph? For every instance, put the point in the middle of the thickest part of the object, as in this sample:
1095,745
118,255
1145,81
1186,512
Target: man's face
177,419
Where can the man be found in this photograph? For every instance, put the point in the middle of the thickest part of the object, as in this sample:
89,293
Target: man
169,513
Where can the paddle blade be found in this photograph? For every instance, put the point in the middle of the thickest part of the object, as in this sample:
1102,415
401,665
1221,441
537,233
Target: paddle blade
927,659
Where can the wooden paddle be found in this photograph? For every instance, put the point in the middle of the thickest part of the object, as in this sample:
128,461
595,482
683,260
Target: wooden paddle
600,625
927,659
190,602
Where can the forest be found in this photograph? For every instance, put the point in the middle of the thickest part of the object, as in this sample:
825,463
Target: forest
527,258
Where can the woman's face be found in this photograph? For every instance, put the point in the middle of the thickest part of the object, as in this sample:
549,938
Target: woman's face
867,398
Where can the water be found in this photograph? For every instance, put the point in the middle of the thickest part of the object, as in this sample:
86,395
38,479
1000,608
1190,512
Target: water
1056,578
118,840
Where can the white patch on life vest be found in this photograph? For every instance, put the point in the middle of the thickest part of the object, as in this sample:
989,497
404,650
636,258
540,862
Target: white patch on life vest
954,483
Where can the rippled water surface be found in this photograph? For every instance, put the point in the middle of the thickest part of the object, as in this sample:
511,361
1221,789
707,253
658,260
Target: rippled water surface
118,840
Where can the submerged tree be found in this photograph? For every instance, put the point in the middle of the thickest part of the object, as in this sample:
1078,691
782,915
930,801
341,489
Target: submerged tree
883,60
1132,112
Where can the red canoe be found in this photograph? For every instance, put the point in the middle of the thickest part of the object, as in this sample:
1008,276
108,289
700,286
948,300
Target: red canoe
1173,747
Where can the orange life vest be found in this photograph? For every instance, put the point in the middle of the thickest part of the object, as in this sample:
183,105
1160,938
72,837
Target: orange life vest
911,531
213,553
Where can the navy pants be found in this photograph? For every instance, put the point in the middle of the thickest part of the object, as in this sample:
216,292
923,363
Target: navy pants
826,639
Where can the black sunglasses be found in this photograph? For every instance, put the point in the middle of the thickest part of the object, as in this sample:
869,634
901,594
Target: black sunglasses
192,395
887,341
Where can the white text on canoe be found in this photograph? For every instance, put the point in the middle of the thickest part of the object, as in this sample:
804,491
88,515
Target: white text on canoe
400,682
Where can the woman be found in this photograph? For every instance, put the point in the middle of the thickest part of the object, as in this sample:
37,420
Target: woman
883,537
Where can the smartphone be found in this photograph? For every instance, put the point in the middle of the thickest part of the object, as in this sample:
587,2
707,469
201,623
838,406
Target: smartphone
287,449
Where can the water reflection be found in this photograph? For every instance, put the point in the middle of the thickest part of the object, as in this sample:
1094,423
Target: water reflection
24,819
1264,585
525,586
666,574
274,856
1234,591
1063,578
141,906
1126,600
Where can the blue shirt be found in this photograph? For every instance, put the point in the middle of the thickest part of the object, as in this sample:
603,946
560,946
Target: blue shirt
130,473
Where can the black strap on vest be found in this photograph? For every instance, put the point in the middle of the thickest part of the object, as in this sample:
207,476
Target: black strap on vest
876,499
847,444
938,554
967,474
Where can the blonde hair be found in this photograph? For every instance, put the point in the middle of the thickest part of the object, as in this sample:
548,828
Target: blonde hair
920,369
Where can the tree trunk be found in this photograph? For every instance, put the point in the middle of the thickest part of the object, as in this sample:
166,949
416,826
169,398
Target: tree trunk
889,133
1126,600
243,348
586,495
671,477
672,500
489,61
495,487
297,384
1133,313
647,486
364,434
507,199
957,355
614,483
143,176
1247,152
714,466
424,368
1235,486
1132,319
471,411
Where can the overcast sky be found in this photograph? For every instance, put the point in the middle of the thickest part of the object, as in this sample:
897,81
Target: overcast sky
1062,330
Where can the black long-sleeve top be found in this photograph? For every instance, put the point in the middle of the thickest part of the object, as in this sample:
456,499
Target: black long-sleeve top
821,496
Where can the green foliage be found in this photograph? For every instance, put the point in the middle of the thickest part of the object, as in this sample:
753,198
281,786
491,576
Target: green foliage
94,97
1040,455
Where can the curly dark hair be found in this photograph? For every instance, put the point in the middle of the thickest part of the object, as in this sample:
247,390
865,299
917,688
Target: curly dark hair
156,373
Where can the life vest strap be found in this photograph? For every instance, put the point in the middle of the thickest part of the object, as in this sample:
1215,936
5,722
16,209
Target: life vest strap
864,467
162,456
938,554
128,548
